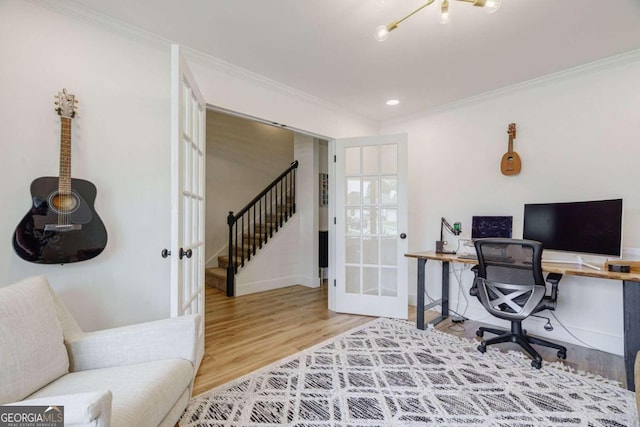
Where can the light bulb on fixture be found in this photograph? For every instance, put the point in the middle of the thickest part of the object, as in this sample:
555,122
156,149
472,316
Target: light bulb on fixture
492,5
444,12
381,33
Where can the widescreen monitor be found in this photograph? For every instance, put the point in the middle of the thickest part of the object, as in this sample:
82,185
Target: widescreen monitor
591,227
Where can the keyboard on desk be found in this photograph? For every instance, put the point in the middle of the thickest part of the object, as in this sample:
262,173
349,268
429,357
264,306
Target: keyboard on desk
468,256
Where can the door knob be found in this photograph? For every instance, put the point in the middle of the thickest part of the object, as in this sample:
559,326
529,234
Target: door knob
403,236
165,253
186,253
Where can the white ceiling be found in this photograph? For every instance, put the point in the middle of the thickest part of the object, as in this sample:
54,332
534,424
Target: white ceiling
326,47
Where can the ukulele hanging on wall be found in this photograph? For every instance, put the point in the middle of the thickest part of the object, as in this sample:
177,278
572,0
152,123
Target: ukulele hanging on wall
62,226
511,164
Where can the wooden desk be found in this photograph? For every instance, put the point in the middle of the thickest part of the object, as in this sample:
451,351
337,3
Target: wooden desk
630,295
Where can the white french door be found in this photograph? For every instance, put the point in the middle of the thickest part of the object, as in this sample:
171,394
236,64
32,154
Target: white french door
188,142
371,225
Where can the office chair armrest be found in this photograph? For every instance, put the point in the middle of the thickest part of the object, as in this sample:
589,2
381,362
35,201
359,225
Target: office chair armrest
473,290
549,302
554,279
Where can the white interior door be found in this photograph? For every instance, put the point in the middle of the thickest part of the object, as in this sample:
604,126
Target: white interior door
188,119
371,225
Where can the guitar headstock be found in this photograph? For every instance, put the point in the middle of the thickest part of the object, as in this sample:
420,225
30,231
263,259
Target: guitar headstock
66,104
512,130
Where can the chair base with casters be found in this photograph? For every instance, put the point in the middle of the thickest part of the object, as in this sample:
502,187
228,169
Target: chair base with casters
519,336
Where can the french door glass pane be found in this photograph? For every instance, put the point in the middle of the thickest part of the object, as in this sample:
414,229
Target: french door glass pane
353,194
388,284
370,281
352,161
352,254
353,221
370,190
370,250
389,159
352,279
389,221
389,251
370,160
370,221
389,190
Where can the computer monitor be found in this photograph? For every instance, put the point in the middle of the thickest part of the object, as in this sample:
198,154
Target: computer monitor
591,227
491,226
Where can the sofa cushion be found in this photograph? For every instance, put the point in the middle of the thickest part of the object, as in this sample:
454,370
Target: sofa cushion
142,393
32,347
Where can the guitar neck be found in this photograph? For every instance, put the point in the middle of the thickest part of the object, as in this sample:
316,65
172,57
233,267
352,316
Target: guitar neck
510,144
64,183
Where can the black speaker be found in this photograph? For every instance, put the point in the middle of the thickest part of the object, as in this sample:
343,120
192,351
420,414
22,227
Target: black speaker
620,268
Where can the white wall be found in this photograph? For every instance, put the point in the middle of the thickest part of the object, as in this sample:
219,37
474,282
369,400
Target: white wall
577,136
121,144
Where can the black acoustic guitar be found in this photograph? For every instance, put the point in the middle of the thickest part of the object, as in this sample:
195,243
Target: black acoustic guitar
62,226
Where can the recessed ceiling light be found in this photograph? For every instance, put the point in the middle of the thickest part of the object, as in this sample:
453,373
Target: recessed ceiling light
393,102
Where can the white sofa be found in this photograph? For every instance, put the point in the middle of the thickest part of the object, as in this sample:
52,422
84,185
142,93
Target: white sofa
139,375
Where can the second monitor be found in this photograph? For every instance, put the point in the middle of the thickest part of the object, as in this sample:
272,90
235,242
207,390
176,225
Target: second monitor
491,226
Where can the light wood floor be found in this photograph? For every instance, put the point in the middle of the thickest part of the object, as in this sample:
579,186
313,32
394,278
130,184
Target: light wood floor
245,333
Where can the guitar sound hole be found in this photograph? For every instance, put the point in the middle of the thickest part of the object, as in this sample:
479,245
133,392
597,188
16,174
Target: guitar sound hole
64,203
510,158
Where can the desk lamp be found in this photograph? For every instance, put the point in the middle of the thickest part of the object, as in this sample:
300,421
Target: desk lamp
455,230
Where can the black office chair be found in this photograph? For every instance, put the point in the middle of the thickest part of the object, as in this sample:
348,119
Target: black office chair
510,285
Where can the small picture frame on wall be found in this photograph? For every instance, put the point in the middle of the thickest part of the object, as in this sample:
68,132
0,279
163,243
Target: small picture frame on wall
324,189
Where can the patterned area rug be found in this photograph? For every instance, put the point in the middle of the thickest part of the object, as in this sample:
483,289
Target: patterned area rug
388,373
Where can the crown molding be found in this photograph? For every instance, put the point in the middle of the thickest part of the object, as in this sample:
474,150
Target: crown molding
79,12
75,10
235,71
570,73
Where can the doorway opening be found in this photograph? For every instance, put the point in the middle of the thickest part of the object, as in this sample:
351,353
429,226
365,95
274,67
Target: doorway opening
243,155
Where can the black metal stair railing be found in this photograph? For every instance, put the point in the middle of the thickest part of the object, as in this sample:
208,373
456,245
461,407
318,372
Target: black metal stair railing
255,224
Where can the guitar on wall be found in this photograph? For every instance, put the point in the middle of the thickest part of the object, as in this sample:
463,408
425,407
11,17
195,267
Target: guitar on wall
511,164
62,225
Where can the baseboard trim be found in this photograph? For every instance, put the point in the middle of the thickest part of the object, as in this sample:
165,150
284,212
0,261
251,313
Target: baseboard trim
277,283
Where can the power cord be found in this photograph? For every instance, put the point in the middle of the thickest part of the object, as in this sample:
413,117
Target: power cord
460,291
457,323
461,316
549,327
570,333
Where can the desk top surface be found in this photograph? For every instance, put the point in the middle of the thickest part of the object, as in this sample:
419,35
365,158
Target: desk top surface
568,269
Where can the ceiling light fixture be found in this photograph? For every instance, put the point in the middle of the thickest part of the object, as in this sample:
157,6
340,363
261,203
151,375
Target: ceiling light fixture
393,102
382,32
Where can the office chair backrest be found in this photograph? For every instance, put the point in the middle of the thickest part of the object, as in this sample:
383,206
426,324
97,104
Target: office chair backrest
510,260
510,283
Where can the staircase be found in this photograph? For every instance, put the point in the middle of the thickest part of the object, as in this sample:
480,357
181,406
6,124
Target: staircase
252,227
